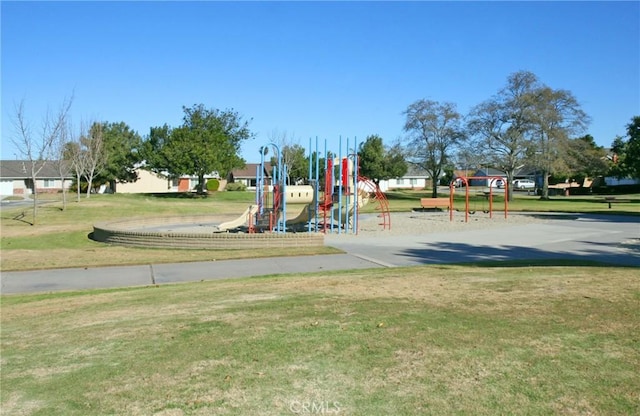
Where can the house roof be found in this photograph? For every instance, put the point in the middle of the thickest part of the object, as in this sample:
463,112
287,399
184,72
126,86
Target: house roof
250,169
489,172
21,169
414,171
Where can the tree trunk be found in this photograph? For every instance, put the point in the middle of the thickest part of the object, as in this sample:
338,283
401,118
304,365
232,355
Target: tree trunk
200,183
64,196
545,186
434,192
78,178
35,200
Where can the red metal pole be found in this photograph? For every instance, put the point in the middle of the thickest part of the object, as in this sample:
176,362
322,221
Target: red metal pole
451,190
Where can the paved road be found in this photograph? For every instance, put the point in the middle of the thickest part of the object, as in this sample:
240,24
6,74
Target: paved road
611,239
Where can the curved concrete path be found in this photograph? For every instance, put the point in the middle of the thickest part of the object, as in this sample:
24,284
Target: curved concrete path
610,239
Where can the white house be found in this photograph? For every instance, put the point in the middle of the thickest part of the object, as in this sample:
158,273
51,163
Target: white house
15,178
415,178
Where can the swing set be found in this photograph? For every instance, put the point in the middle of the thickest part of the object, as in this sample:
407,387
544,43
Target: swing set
488,195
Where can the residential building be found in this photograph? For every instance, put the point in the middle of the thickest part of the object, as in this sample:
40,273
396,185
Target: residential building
247,175
15,178
415,178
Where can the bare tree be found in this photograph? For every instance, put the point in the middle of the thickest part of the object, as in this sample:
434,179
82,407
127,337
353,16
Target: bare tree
434,131
77,158
61,159
501,125
94,153
36,148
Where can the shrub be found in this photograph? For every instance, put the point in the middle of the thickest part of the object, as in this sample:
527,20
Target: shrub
236,186
213,185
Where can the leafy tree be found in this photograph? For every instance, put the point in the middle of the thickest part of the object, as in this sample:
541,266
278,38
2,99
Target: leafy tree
121,148
434,131
502,123
555,116
584,158
378,162
632,154
627,152
153,151
293,156
207,141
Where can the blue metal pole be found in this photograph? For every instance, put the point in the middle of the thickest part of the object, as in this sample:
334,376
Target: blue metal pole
340,185
348,191
310,181
284,199
356,174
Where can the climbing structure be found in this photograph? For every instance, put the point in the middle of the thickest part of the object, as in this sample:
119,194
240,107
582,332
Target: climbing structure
344,191
332,199
271,196
380,198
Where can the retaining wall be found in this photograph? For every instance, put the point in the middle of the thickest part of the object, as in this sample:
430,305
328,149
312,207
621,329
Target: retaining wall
130,232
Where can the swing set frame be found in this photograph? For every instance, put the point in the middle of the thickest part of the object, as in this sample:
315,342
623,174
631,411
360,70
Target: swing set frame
491,179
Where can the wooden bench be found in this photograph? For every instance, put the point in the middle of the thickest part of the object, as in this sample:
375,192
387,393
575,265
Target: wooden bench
435,203
613,200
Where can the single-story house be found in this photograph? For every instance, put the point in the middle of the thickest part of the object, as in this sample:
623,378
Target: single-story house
415,178
247,175
487,182
149,182
152,182
15,178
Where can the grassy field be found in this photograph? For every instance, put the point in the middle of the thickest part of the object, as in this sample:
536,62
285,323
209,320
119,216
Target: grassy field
474,339
415,341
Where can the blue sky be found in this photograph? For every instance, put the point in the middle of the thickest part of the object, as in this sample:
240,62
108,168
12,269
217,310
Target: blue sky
311,69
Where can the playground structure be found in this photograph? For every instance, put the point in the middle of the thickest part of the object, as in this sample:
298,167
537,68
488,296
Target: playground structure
280,207
488,195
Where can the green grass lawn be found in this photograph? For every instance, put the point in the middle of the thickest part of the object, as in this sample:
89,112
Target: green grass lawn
414,341
518,339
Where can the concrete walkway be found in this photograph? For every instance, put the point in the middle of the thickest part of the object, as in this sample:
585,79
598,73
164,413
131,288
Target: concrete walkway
610,239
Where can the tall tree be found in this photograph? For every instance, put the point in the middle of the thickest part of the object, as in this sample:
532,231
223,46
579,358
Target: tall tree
633,147
122,150
584,158
378,162
502,123
208,141
627,152
433,132
153,151
556,115
36,148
